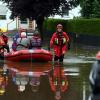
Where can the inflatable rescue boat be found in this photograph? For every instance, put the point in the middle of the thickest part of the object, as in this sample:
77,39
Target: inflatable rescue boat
40,55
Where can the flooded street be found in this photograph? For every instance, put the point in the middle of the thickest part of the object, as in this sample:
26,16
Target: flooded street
48,81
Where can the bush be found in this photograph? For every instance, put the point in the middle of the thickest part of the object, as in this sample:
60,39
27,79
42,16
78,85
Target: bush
78,26
84,26
51,24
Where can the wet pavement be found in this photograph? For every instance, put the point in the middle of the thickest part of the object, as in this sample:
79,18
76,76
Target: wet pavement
49,81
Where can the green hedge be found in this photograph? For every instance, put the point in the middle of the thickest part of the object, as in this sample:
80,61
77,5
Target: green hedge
79,26
51,24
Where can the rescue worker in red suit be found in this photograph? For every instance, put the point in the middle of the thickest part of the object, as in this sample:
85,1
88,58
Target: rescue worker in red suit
5,39
6,46
59,40
35,41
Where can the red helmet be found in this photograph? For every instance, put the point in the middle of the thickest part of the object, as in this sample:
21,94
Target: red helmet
98,56
59,26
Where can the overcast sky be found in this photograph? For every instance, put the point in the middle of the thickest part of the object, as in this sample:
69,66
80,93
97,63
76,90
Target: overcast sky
74,12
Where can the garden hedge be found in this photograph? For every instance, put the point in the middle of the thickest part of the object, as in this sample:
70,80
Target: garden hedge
78,26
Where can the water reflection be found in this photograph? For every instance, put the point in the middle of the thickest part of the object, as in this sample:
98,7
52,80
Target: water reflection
46,81
94,97
58,80
3,78
39,78
24,74
21,81
35,83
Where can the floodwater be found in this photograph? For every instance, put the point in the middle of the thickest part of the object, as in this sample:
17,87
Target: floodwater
49,81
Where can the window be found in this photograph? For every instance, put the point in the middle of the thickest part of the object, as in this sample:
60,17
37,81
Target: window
23,21
2,17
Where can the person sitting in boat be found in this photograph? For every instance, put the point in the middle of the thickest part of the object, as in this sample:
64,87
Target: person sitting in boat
35,41
14,46
4,41
23,42
60,40
15,37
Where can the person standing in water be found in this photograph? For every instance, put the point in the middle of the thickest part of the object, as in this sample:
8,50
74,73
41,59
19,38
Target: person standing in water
59,41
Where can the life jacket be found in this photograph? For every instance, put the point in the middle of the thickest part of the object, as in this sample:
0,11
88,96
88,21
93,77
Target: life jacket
5,39
14,46
23,42
15,37
60,40
35,42
2,42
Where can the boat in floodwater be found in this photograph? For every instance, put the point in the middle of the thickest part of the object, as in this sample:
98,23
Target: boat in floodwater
39,55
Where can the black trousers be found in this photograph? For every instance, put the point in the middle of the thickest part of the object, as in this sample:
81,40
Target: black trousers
6,47
56,58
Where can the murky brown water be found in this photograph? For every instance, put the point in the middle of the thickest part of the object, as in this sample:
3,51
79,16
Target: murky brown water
48,81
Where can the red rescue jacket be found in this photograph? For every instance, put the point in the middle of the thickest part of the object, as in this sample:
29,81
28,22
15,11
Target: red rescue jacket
5,39
2,42
59,46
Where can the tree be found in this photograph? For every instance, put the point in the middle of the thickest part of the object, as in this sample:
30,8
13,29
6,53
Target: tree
39,9
90,8
96,9
86,6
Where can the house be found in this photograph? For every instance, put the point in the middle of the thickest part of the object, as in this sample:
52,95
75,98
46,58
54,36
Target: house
3,18
26,24
8,24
